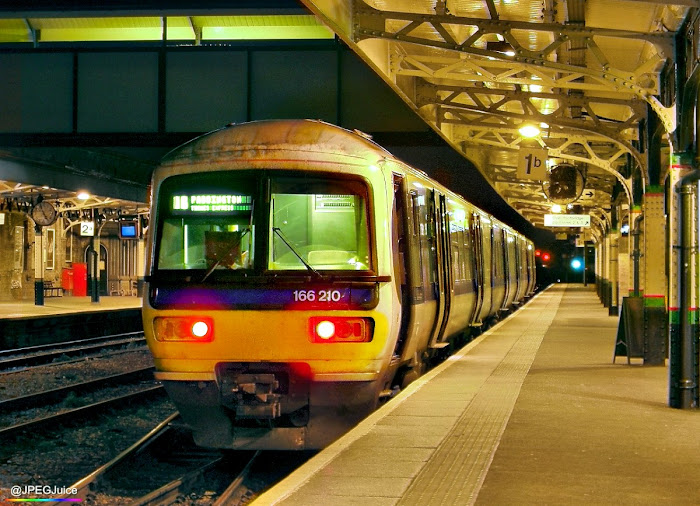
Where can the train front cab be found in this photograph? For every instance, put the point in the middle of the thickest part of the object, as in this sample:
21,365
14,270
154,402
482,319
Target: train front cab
270,374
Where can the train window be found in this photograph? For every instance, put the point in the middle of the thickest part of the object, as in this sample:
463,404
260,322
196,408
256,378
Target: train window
431,244
458,242
319,224
206,223
498,255
197,243
416,255
424,217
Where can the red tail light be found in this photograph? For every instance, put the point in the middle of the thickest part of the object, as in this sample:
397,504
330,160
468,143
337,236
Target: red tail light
353,329
183,329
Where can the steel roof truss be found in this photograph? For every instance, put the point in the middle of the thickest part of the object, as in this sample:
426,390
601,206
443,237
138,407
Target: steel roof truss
643,81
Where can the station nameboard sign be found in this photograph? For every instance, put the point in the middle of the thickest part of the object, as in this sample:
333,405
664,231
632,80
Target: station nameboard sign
567,220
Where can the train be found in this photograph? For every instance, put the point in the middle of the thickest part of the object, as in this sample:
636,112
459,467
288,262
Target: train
298,275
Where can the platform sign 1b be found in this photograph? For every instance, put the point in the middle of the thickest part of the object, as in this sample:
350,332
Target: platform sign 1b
531,163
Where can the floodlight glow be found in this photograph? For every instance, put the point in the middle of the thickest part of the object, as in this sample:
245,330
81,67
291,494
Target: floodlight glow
529,131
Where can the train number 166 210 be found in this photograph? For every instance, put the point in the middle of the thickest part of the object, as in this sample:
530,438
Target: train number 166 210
317,295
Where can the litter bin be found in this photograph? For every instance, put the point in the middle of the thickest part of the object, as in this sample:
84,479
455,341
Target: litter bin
67,281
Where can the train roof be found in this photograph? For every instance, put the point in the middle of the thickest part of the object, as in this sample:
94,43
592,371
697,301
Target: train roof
313,136
303,134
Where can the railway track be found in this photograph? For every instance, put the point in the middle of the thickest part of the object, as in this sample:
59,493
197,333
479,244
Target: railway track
166,467
40,355
57,395
70,416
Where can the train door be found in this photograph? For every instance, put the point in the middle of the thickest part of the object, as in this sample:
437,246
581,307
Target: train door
523,268
477,267
498,270
531,270
519,262
402,253
486,226
442,253
511,273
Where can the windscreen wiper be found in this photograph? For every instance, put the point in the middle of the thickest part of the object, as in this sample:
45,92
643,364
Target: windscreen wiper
306,264
221,258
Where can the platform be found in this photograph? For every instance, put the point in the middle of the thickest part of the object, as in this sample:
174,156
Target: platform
532,412
66,305
66,318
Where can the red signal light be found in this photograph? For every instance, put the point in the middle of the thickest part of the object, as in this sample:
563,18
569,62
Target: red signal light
546,257
538,253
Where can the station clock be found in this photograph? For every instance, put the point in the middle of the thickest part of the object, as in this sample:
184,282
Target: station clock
44,213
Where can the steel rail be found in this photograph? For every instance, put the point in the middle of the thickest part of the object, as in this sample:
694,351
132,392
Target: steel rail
77,342
80,413
228,494
85,485
48,357
58,394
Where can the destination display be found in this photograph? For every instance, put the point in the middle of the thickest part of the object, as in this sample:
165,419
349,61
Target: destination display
211,203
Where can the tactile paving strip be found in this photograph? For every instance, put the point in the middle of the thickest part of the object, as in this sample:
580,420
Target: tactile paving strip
456,471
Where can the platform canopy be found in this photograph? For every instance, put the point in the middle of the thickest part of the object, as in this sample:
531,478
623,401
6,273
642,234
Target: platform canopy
594,81
590,78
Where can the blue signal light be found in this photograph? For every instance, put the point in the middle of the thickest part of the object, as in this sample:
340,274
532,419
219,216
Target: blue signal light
576,264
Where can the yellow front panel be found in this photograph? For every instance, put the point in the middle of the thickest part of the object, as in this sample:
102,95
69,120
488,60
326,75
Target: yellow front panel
268,336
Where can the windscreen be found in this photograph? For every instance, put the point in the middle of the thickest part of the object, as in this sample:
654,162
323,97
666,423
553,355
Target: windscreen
207,222
318,224
207,225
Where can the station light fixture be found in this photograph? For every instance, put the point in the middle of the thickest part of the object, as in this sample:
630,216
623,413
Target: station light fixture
83,195
529,131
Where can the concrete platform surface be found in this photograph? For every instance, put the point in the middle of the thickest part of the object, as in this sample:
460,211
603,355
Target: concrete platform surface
534,411
65,305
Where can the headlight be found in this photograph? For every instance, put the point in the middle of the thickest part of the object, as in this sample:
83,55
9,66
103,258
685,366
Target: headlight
353,329
183,329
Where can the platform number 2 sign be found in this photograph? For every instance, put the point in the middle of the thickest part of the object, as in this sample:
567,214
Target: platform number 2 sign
531,163
87,228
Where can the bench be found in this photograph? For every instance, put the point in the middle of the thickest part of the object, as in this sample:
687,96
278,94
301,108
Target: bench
52,291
